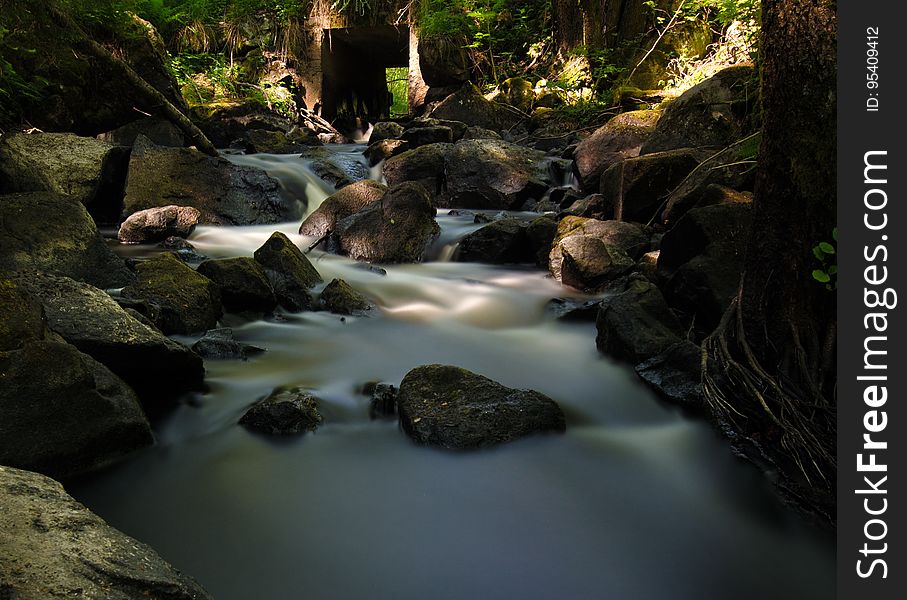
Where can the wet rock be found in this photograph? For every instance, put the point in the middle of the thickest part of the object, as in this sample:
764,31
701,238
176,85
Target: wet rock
63,413
156,367
639,186
713,114
442,61
49,232
499,242
420,136
244,286
189,302
339,170
86,169
284,412
289,271
701,260
493,174
385,130
424,165
733,168
340,205
636,324
157,224
219,344
398,228
383,150
55,547
383,403
587,253
573,309
340,298
183,249
469,106
541,233
618,139
594,206
450,407
159,130
676,375
224,193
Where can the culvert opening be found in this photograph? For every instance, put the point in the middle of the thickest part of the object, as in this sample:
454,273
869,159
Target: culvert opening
364,75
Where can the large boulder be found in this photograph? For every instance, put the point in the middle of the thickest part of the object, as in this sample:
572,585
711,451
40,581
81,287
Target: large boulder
500,242
618,139
701,260
636,324
713,114
158,224
469,106
423,165
224,193
340,205
188,301
156,367
289,271
586,253
450,407
89,170
396,229
442,61
53,547
243,283
284,412
639,186
494,174
49,232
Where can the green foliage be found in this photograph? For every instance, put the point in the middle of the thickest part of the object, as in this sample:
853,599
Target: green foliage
398,86
16,91
826,254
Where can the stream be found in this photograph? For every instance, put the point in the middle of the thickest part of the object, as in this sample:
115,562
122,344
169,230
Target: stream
635,502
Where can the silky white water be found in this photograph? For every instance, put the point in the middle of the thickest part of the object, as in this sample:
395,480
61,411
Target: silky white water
634,502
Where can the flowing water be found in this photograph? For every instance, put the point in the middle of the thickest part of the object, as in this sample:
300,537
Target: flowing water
634,502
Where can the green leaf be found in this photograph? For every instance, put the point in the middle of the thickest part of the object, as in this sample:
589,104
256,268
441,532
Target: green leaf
821,276
834,234
817,252
833,269
826,248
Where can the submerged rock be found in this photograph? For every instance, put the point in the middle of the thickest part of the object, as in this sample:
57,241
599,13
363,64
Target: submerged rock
219,344
55,547
189,302
451,407
340,298
243,283
340,205
289,271
49,232
158,224
284,412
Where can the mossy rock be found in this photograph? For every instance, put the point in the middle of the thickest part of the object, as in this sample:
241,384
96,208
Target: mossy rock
289,271
243,283
340,298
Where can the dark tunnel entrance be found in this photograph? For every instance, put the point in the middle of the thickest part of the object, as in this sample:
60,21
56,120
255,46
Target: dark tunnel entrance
355,63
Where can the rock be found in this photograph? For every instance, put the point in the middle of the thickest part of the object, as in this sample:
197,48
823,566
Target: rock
492,174
156,367
157,224
340,205
55,547
189,302
701,260
712,114
385,130
587,254
593,206
500,242
340,298
636,324
228,122
676,375
244,286
457,128
734,168
48,232
383,403
340,170
618,139
420,136
541,233
183,250
159,130
63,413
573,309
648,265
398,228
517,92
383,150
219,344
294,141
480,133
548,99
289,271
22,318
639,186
442,61
88,170
424,165
469,106
224,193
284,412
450,407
